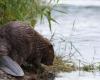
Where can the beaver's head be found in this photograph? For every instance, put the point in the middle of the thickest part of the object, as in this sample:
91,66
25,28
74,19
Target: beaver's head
48,53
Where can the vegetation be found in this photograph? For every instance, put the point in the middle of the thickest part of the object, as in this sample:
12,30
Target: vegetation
88,68
61,65
24,10
98,67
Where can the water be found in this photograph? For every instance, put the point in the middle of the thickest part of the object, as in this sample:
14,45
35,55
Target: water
85,34
81,26
77,76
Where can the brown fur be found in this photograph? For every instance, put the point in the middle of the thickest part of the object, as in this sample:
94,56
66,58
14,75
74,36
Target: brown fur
23,44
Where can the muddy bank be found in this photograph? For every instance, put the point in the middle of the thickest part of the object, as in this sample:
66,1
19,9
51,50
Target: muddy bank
28,76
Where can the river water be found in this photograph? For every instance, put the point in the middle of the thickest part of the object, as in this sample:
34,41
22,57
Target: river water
79,26
78,76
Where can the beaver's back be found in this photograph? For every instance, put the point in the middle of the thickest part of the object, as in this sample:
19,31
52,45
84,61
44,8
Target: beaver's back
20,36
27,44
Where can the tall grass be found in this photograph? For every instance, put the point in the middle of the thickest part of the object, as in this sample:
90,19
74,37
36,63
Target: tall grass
24,10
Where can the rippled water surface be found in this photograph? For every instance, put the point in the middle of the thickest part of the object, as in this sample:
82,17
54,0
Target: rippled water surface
80,25
78,76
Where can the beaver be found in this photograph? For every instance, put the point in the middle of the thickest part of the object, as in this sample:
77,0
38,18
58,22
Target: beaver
22,43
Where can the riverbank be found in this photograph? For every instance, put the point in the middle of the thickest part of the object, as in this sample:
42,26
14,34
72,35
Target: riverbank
49,73
28,76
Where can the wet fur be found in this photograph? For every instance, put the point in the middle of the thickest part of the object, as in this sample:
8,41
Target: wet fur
23,44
